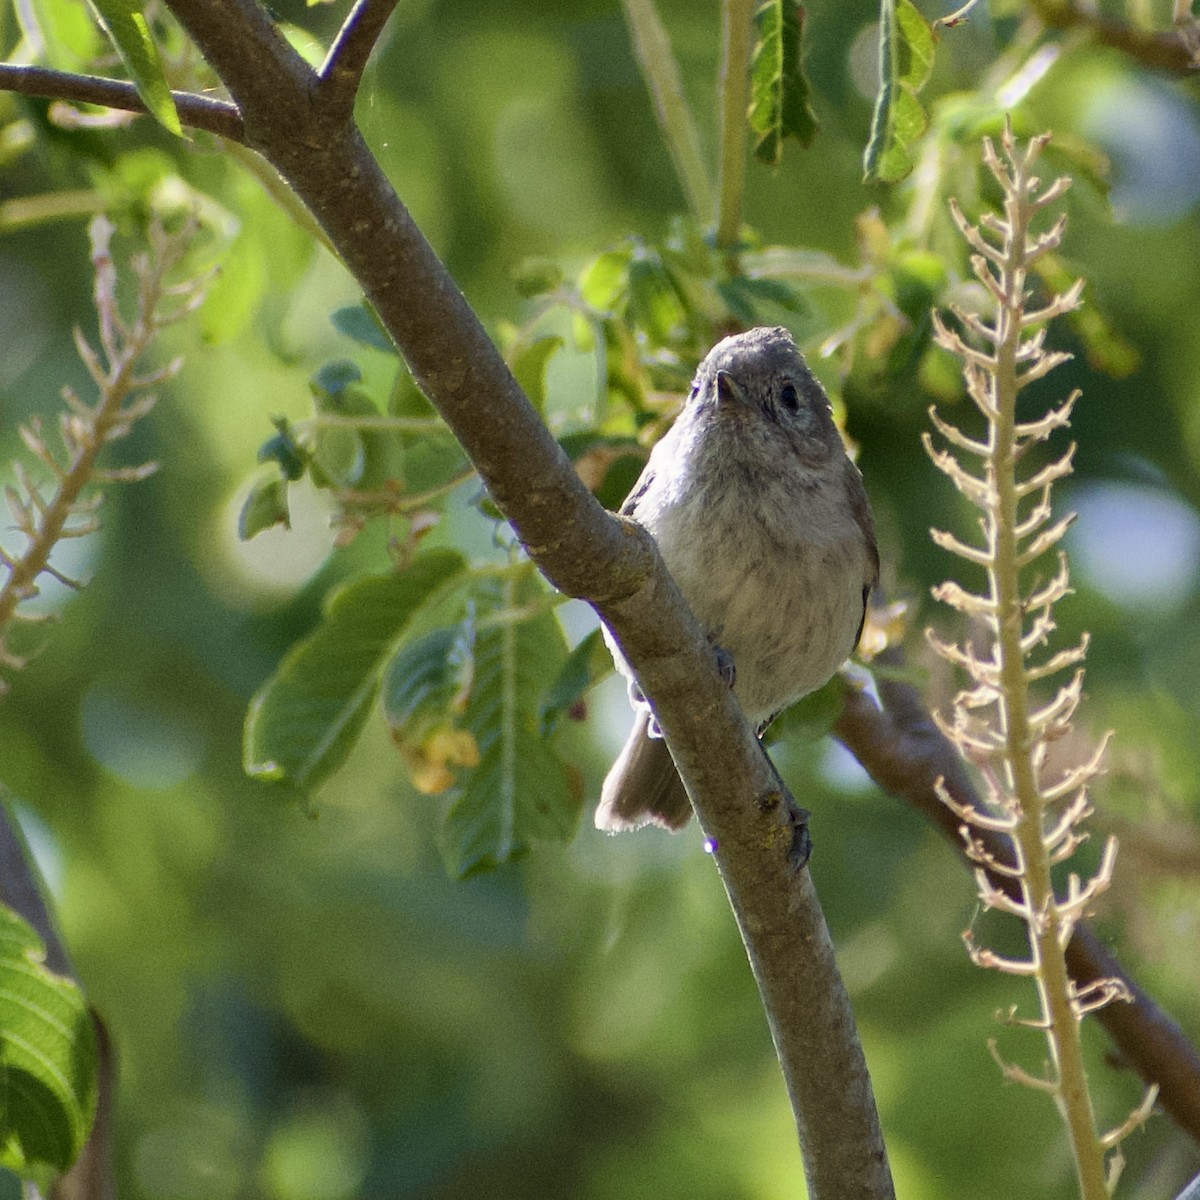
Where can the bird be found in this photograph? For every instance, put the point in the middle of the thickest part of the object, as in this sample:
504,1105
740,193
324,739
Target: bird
764,523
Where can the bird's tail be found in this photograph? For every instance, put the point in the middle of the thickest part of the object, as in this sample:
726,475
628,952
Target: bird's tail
643,787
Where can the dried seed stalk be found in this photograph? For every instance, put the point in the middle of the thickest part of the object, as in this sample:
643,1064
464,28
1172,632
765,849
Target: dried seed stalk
997,722
63,502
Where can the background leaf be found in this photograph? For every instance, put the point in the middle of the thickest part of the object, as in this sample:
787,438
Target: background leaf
48,1062
126,26
779,93
303,721
520,791
358,321
586,665
906,48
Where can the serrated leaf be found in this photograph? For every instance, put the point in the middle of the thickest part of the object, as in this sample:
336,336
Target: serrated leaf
586,665
264,507
779,93
128,30
358,321
303,721
529,368
520,791
906,50
48,1056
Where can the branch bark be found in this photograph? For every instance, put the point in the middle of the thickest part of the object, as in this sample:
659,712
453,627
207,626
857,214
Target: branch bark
905,753
198,112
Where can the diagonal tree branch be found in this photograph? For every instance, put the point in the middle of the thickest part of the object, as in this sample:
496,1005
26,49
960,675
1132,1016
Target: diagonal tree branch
588,553
343,68
906,754
199,112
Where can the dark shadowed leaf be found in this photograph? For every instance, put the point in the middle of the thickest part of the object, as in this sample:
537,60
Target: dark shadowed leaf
587,664
358,321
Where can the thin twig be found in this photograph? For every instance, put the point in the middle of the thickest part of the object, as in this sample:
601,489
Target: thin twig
198,112
342,71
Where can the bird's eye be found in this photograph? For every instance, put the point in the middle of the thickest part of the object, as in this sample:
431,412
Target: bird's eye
789,399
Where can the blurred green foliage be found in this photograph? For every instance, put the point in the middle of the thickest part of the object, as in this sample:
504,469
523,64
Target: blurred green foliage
305,1007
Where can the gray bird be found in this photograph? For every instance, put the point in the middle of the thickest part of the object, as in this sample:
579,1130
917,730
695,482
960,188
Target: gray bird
763,522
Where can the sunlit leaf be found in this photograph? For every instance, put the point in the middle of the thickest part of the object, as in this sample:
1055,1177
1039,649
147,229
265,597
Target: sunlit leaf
129,31
529,368
236,292
605,279
906,49
520,792
48,1058
779,93
303,721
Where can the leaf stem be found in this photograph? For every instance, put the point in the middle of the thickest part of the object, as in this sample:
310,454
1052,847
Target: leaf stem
733,100
660,70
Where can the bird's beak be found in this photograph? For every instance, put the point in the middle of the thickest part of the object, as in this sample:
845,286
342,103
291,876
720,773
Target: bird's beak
729,391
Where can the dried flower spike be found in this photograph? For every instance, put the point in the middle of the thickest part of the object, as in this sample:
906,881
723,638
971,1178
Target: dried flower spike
999,721
64,503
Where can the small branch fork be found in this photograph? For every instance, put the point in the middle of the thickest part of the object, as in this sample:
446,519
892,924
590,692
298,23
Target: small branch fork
45,515
342,71
996,723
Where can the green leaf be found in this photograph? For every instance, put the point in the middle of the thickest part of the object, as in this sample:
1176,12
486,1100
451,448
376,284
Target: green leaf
586,665
779,92
341,453
427,681
812,716
284,450
127,28
358,321
906,47
236,293
605,279
265,507
48,1057
537,276
520,790
303,721
758,301
529,368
